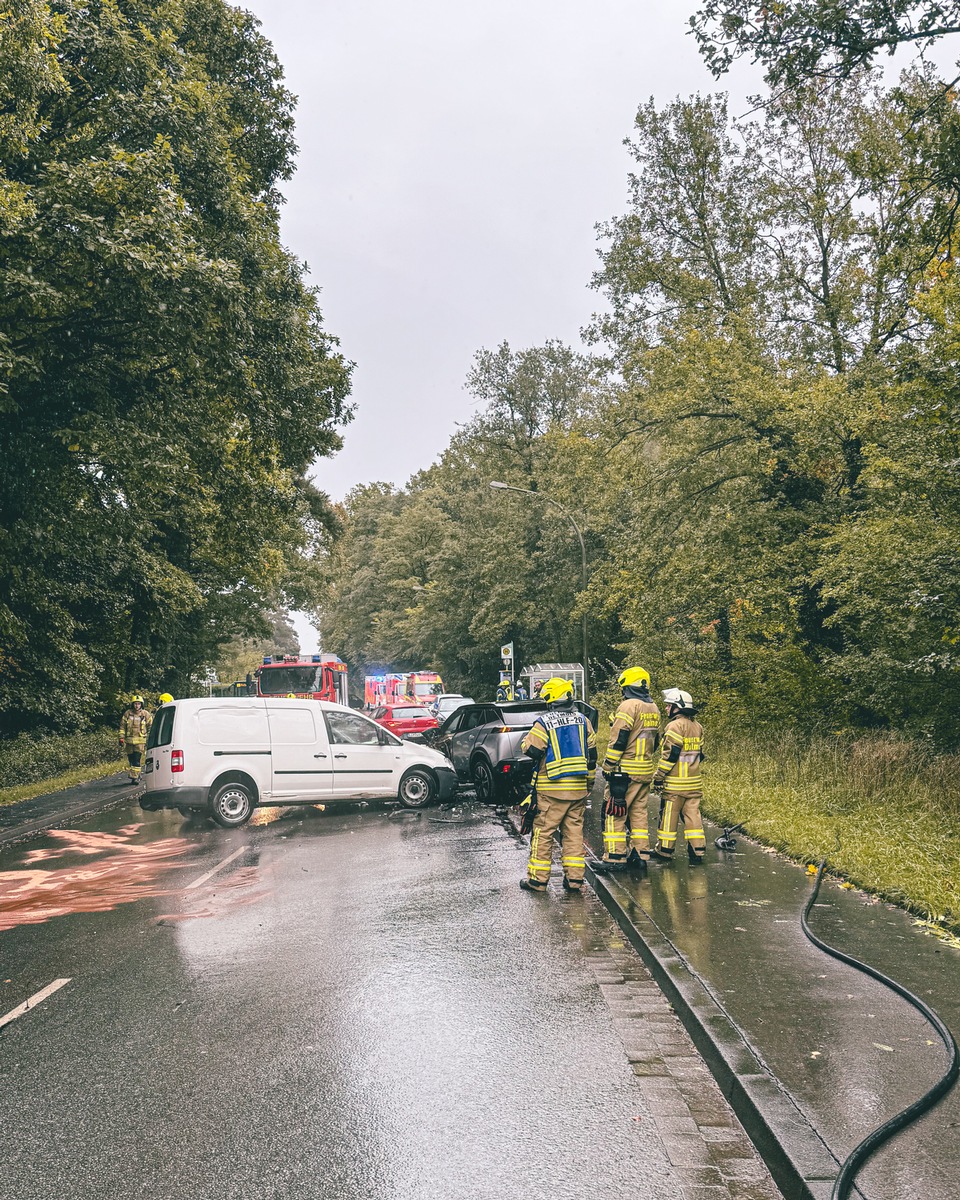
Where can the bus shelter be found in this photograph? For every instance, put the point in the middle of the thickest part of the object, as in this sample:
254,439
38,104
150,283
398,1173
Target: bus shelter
541,672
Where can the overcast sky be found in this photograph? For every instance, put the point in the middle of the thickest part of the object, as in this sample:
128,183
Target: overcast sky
454,160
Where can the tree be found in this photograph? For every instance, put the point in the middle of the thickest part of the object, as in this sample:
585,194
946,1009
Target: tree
797,41
166,381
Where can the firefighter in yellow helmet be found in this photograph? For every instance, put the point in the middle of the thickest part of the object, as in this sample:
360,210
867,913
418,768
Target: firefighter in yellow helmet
628,769
134,727
678,773
563,745
165,698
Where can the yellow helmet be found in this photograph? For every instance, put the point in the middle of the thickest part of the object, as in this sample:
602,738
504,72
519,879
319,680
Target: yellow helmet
165,698
634,677
291,695
555,690
136,699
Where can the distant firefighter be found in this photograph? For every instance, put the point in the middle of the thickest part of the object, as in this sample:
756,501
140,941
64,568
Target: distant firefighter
134,728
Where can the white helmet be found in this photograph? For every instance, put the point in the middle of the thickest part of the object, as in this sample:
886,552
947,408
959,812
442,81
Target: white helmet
677,697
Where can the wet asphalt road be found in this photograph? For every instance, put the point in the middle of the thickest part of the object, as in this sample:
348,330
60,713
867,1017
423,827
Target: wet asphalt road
353,1005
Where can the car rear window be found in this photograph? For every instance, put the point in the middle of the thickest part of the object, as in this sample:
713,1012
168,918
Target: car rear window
410,712
522,720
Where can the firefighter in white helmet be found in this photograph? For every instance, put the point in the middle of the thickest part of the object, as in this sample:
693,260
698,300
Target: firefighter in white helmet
628,769
678,774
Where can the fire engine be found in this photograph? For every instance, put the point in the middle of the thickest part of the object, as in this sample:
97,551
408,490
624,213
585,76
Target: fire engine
317,676
422,686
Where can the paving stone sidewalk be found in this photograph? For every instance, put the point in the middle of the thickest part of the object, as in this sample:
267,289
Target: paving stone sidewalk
704,1141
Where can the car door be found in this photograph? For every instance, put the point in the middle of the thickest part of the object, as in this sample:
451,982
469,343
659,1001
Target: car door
302,766
463,741
366,757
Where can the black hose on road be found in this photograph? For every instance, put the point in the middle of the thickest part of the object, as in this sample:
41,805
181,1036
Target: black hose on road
872,1142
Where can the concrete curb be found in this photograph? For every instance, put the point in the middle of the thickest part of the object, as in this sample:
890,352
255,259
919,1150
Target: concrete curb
796,1155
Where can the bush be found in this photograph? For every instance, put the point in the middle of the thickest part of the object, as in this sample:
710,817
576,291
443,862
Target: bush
31,757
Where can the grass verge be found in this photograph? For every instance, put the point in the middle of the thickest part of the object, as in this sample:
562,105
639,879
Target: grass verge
40,787
884,814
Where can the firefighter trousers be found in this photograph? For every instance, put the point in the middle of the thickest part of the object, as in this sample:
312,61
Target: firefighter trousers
563,814
685,807
631,831
134,752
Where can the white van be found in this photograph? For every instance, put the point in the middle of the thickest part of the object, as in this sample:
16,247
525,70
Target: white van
225,756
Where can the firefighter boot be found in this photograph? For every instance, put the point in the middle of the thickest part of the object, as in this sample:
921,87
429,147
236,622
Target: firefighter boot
530,885
608,866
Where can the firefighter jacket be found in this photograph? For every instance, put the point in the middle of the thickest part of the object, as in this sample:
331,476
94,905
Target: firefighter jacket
634,738
134,727
680,756
565,745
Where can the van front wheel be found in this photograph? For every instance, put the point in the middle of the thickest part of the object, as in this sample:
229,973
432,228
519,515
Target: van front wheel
232,804
418,788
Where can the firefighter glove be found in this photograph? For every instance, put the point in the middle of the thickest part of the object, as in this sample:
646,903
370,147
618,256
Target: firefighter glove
614,807
528,810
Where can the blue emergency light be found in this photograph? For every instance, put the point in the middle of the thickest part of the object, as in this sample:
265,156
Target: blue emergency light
267,660
315,658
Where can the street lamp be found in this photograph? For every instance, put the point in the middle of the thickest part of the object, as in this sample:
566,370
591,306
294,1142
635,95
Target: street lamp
509,487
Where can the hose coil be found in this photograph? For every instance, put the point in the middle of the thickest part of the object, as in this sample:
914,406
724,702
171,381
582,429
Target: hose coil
873,1141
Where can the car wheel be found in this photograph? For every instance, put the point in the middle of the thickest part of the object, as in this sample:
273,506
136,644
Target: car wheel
232,805
485,781
418,788
148,805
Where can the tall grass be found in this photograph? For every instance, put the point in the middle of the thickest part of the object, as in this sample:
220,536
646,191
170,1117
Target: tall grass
884,811
27,758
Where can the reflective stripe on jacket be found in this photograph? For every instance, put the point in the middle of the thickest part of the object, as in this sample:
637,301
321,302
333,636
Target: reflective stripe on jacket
681,771
566,737
635,729
135,727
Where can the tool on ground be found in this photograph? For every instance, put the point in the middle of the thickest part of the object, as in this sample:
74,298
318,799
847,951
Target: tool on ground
725,841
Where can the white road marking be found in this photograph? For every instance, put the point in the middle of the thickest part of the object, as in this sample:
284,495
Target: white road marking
213,870
35,999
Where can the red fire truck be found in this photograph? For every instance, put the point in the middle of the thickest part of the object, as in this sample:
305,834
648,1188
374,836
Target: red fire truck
422,686
319,676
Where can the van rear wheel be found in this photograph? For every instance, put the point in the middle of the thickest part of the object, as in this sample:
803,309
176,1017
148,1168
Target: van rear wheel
232,804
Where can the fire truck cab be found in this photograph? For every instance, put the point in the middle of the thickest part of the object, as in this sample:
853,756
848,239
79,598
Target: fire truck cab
317,677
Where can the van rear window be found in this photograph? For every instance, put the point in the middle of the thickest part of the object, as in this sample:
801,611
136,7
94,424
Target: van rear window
232,726
161,731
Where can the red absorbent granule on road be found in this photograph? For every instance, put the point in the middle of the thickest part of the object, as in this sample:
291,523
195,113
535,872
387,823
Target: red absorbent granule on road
113,869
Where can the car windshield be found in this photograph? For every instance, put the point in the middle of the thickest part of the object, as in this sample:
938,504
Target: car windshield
279,681
410,712
454,702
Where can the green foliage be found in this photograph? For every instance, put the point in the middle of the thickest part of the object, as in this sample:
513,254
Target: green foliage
767,474
799,39
32,757
165,380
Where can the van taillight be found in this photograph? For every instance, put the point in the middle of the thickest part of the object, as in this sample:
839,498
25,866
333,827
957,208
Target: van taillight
176,761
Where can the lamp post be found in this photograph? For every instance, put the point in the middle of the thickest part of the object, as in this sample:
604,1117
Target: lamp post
509,487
